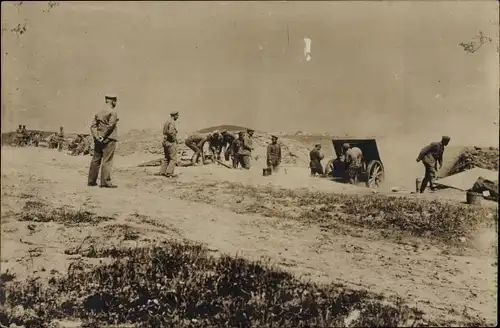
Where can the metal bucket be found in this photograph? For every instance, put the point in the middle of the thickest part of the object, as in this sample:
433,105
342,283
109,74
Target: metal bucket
474,198
267,171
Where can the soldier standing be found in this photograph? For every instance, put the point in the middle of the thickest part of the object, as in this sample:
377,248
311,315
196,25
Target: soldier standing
245,149
105,133
36,139
24,136
60,139
315,157
227,141
19,136
274,154
169,146
235,149
432,155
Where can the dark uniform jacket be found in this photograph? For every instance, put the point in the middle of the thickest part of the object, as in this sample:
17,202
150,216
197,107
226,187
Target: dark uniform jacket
169,132
432,153
315,157
228,139
274,153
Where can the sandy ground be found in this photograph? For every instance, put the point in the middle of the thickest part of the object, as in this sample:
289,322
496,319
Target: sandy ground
444,284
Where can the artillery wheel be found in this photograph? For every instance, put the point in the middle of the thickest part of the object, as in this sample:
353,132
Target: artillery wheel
375,174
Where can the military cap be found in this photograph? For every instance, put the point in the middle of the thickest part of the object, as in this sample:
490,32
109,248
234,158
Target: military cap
274,136
317,145
250,130
241,132
223,132
110,96
174,113
446,138
346,146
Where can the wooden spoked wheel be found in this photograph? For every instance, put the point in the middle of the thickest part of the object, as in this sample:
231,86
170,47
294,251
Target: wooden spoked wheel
375,174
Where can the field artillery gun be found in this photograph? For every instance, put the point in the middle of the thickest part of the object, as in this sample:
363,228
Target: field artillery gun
372,172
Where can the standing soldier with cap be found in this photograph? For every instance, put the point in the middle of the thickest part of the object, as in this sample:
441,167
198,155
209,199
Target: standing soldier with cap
105,133
273,154
227,141
169,146
430,156
315,157
353,162
60,139
245,149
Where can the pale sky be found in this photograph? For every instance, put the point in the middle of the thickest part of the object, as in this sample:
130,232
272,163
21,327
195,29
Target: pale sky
376,68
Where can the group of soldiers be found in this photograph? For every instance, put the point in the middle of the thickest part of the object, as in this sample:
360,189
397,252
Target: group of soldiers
80,145
239,149
25,138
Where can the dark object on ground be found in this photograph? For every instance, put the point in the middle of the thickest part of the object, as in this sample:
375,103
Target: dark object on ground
474,198
482,185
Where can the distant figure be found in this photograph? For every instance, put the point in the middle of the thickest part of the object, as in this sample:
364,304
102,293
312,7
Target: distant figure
36,139
353,163
245,149
169,144
105,133
227,141
274,154
235,149
19,136
215,144
24,136
52,141
430,156
315,157
80,146
196,142
60,139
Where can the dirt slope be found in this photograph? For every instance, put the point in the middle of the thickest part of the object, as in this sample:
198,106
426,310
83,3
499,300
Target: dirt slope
444,282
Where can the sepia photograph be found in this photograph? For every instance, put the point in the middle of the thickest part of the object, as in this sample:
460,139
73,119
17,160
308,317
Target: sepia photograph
249,164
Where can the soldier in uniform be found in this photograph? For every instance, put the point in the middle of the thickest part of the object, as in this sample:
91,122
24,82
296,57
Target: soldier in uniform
36,139
19,136
235,148
273,154
169,146
353,162
24,136
432,155
60,139
245,149
227,141
196,142
215,145
315,157
105,133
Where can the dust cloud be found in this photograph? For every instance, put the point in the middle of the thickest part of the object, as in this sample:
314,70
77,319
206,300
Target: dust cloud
392,70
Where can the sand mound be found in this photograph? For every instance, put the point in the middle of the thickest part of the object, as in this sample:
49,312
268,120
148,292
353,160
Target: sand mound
485,158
